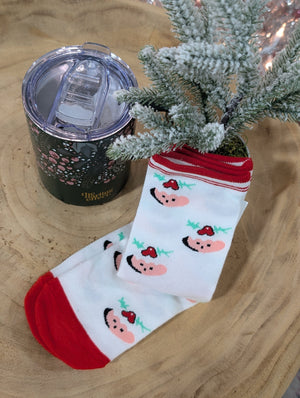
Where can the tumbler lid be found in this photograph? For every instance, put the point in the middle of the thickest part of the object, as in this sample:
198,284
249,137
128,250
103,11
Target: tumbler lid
69,92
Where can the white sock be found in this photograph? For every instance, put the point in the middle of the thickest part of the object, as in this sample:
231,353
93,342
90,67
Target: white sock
86,316
185,222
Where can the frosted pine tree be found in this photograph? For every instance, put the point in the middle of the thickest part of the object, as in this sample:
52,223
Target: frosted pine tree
191,100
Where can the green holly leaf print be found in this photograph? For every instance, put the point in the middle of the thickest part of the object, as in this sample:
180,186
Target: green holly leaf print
219,229
193,224
184,184
159,177
121,236
139,245
123,304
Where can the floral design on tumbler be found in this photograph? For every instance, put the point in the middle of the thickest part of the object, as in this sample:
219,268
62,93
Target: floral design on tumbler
81,164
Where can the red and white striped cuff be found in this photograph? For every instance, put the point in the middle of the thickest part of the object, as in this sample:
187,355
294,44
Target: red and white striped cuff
225,171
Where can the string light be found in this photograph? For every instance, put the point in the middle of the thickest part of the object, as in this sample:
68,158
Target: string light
280,20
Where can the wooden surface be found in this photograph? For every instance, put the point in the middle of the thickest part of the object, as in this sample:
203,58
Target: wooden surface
245,343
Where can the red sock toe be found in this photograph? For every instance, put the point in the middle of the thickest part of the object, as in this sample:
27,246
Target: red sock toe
60,329
29,305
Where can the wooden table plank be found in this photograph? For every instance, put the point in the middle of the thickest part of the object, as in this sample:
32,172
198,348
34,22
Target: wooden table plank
245,343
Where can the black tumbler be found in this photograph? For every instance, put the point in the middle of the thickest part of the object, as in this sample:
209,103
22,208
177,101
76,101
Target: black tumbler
73,116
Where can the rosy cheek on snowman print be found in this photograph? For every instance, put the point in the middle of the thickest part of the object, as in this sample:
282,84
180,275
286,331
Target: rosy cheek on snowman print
146,268
118,328
203,246
169,200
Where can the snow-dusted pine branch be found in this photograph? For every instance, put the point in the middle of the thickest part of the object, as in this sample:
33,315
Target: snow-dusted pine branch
209,87
187,20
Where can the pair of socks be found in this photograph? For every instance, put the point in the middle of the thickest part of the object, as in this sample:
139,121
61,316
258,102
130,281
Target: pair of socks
111,294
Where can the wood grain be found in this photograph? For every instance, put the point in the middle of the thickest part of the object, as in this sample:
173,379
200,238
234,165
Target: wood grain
245,343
